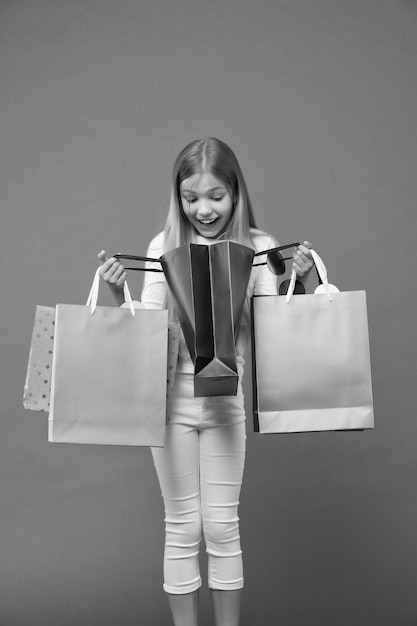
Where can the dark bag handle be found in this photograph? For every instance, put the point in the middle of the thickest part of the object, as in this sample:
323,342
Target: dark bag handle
274,260
142,259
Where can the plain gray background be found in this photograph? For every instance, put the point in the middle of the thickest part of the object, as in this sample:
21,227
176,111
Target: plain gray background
318,100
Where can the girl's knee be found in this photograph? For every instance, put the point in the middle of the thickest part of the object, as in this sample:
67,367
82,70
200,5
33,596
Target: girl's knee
183,530
222,537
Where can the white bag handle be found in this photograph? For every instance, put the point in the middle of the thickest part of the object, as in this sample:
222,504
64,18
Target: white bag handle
321,269
93,295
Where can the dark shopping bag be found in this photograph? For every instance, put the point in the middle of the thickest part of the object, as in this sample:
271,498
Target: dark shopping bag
208,284
109,374
311,360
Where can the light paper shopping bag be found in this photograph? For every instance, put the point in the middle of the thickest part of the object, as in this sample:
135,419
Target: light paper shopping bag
37,388
311,361
36,395
109,374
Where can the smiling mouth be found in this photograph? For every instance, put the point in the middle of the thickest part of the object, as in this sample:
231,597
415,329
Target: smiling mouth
207,223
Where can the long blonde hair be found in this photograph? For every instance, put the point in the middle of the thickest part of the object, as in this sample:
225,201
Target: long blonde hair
214,157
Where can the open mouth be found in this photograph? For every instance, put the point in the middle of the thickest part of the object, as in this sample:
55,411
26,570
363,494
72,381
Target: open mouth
208,223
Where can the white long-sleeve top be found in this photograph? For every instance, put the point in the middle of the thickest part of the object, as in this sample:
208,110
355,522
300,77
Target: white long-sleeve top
262,282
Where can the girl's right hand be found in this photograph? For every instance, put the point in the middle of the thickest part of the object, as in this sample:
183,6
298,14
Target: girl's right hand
112,271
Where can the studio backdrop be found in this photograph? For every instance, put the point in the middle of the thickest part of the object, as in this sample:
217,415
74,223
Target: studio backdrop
318,101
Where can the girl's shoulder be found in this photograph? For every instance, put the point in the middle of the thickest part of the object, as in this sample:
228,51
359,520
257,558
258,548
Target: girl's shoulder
156,246
262,240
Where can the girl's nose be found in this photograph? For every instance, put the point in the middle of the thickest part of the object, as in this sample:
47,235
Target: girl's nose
204,208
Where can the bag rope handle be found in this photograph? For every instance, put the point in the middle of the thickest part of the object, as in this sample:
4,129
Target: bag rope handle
132,257
269,254
93,295
321,271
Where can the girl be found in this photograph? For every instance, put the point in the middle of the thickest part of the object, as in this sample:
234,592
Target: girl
201,465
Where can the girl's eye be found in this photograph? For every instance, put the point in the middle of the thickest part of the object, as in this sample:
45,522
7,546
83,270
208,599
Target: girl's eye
218,198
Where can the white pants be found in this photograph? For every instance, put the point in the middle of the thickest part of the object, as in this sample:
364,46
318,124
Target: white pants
200,472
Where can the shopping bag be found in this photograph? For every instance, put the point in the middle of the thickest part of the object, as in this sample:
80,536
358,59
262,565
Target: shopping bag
37,389
311,360
173,349
109,374
208,284
36,394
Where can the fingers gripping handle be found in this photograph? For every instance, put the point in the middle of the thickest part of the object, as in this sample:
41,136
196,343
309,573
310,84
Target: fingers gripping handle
322,272
93,295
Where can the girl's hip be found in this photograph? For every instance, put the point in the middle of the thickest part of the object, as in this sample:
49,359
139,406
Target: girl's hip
204,412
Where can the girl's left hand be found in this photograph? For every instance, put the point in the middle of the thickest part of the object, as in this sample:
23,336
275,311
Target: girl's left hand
302,259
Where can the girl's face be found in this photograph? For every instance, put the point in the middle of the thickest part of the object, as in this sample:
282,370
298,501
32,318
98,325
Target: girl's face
207,203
